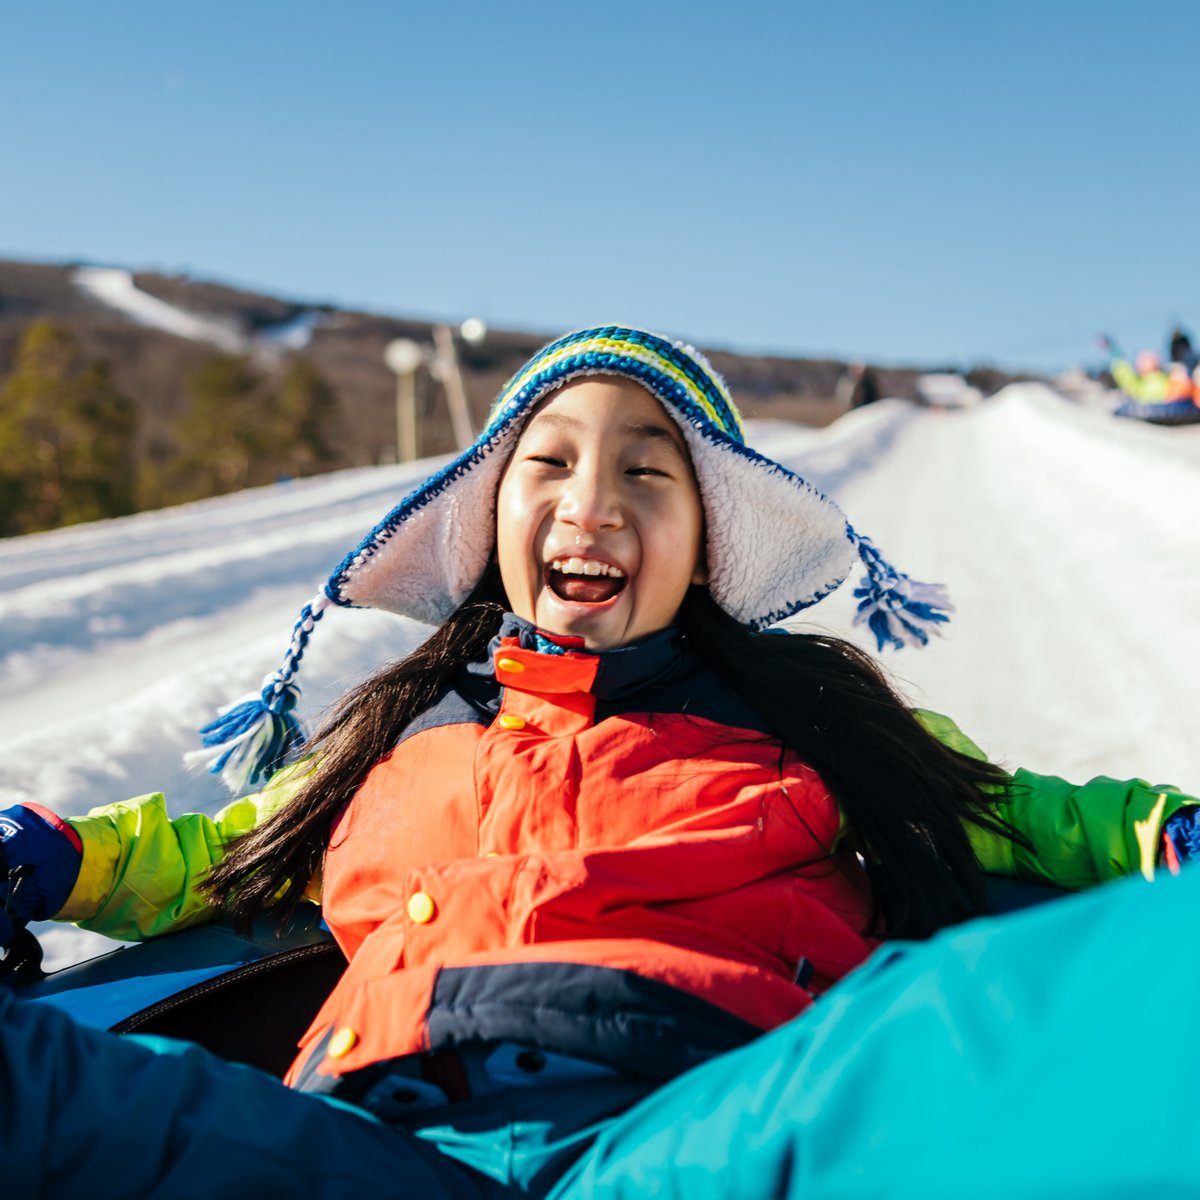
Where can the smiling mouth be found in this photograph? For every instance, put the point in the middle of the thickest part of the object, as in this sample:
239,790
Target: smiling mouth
585,581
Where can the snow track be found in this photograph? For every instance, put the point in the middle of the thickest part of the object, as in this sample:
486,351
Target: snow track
1069,542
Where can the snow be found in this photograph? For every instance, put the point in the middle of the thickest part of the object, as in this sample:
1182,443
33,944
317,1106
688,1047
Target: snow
945,390
294,334
1067,538
116,289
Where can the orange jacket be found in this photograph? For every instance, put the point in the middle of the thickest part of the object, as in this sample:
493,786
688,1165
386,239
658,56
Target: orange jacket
603,855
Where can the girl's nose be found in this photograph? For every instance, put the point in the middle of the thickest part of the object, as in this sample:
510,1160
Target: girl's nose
589,501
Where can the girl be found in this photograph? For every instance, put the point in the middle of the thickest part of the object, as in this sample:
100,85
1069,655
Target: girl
601,828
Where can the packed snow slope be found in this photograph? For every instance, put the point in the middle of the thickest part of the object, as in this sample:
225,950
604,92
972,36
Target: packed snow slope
1068,539
115,288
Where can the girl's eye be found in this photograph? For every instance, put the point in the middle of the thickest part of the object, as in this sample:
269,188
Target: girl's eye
547,459
647,471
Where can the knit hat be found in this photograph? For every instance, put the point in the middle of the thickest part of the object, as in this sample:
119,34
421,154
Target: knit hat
774,543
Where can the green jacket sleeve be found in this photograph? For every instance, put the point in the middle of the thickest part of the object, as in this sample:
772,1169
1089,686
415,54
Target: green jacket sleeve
141,870
1146,389
1078,834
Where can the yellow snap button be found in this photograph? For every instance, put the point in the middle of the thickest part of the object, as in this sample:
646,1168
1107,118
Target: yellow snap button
492,854
512,721
510,664
342,1042
421,907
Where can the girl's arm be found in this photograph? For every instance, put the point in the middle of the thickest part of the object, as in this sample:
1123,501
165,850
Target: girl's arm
1146,389
1079,834
141,870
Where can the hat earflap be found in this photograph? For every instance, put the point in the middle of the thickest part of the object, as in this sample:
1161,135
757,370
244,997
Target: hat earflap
252,737
898,610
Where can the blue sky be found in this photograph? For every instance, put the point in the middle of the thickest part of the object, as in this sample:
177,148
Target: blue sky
911,182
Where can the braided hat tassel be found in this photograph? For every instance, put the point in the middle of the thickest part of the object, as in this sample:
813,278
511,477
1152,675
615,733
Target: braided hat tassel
898,610
252,738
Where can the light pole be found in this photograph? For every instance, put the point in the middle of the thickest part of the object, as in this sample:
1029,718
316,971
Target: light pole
473,331
451,377
404,357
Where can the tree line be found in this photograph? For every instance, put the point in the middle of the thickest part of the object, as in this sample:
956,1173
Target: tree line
70,444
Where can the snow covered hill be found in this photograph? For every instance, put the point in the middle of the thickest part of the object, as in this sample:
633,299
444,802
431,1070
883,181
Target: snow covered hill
115,288
1068,540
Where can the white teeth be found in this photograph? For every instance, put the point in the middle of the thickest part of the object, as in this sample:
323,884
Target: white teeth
585,566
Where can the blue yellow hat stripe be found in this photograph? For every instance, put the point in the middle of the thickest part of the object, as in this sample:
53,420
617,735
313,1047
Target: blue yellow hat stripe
670,372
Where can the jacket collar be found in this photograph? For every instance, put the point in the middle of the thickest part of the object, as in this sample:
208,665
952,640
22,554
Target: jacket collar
653,660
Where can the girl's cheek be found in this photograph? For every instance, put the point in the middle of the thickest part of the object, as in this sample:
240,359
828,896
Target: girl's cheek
518,517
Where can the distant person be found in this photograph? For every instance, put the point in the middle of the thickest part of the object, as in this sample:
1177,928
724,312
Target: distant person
1180,350
1180,386
1143,380
858,386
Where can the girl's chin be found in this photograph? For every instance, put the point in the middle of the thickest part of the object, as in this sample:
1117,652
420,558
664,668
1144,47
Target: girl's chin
595,623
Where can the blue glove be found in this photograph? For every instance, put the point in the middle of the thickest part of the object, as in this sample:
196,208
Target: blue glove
1181,837
40,856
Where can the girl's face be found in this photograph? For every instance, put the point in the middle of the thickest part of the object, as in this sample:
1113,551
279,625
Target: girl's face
599,525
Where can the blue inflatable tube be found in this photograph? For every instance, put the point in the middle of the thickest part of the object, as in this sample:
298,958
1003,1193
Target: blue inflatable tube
1169,412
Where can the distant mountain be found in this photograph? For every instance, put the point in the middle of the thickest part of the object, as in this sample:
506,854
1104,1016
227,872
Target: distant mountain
154,329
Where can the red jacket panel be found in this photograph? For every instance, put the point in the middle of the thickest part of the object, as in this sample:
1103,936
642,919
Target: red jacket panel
693,854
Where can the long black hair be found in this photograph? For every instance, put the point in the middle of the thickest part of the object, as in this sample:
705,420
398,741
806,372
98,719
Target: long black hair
907,797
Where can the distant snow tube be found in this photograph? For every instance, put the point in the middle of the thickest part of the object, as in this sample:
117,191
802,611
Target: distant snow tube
1169,412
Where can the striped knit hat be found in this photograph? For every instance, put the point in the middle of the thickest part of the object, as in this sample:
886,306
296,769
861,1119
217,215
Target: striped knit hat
774,544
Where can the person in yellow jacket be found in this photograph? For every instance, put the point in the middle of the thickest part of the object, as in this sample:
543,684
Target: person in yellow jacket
1143,380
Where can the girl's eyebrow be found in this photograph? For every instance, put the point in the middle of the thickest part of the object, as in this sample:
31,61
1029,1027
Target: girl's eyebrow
646,430
642,429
